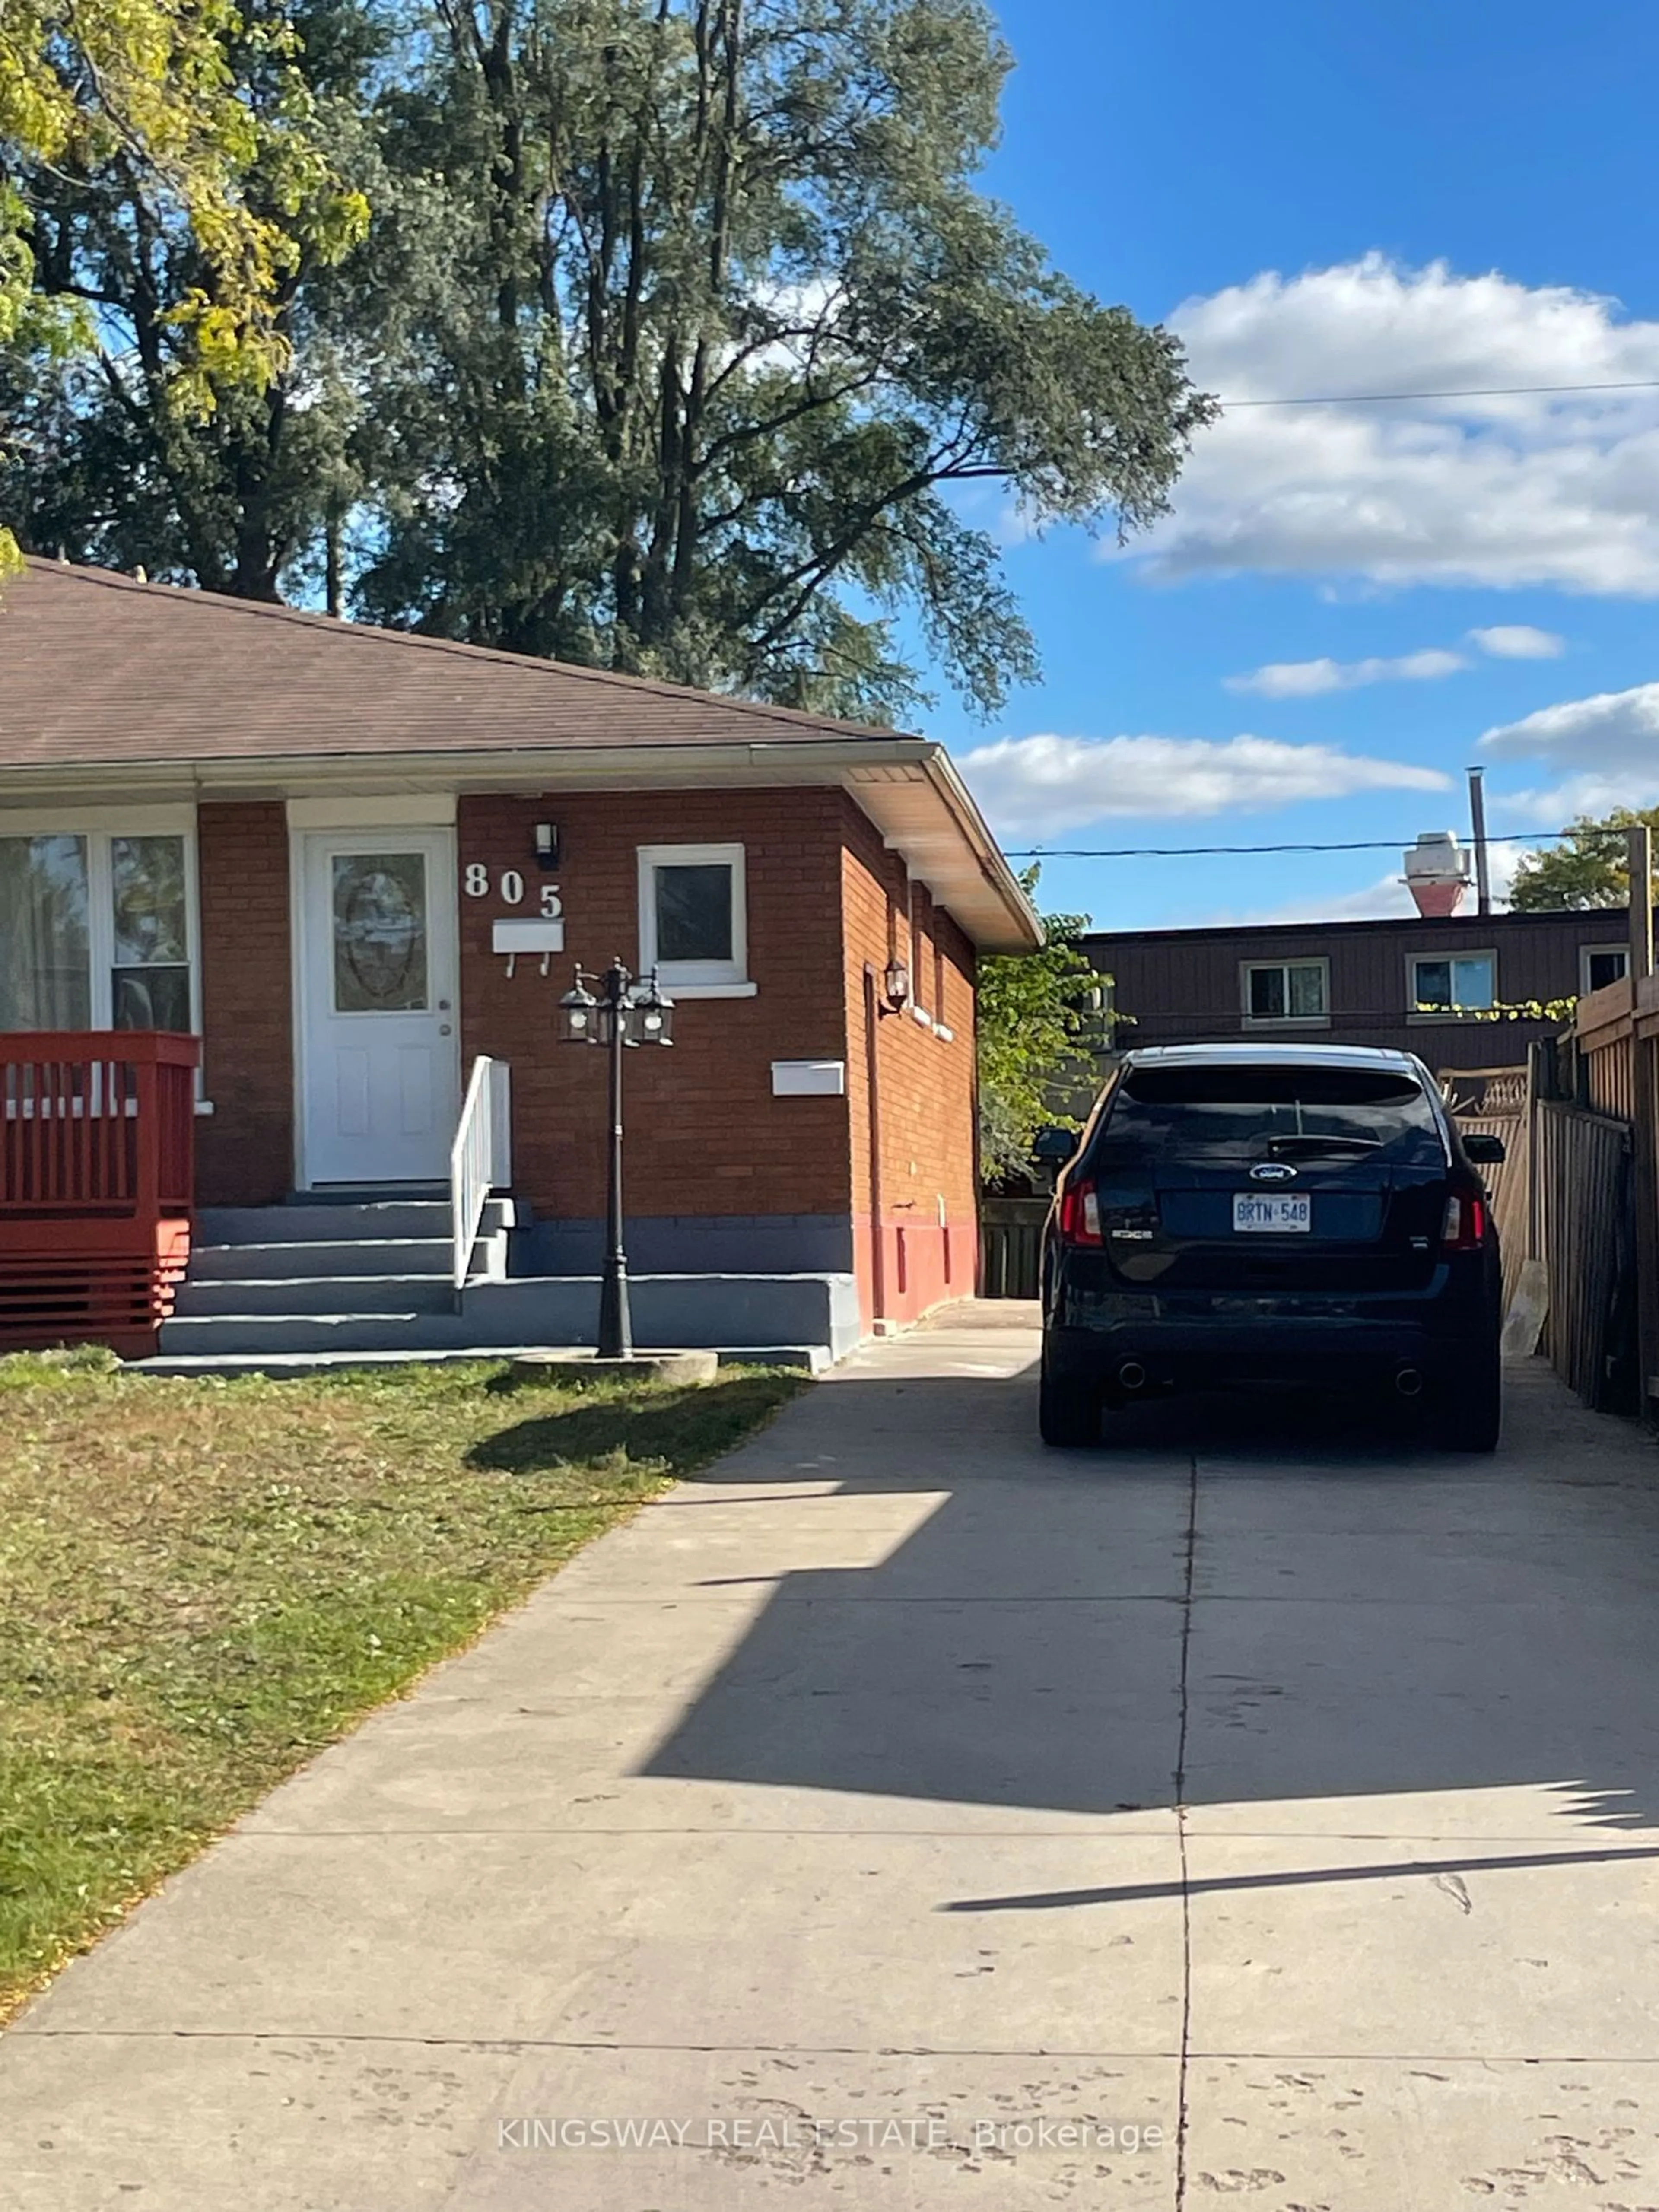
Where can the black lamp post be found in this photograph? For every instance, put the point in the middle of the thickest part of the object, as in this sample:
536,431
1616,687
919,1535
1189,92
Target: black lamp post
624,1014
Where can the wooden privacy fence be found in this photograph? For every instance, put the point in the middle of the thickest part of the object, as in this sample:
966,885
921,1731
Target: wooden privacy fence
1010,1243
1583,1236
1596,1190
1566,1194
1497,1102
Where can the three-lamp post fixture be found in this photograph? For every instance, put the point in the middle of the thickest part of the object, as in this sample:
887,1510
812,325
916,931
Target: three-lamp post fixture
623,1015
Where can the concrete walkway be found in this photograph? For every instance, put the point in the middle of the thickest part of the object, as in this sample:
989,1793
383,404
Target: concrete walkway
913,1817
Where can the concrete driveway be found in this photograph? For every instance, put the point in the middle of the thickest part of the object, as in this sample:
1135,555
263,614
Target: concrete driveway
901,1815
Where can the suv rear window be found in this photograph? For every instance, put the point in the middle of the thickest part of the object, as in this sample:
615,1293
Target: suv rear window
1256,1112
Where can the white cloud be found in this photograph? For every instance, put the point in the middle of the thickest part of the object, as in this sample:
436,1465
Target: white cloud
1036,786
1604,750
1518,641
1303,679
1560,490
1610,732
1501,861
1552,807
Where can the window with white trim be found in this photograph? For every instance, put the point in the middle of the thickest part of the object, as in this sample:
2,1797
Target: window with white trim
1438,985
98,931
1602,964
1286,991
693,922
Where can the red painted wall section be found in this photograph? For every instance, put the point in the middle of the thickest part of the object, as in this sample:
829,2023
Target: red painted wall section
705,1135
919,1092
245,1148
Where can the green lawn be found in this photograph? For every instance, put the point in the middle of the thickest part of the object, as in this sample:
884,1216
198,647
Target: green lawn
202,1582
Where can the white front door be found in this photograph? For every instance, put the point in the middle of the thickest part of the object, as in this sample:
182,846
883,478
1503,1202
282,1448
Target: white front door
379,1041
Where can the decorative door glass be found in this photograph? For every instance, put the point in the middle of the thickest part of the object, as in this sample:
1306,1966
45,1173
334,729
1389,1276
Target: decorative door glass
381,954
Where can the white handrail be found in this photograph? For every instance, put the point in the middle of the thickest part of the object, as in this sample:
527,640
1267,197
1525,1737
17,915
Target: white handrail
481,1158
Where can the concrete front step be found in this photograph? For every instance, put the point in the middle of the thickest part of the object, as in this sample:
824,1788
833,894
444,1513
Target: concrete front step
320,1296
302,1223
282,1365
260,1263
367,1194
322,1224
258,1334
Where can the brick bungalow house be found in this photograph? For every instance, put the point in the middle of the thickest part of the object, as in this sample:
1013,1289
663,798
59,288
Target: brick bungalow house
355,864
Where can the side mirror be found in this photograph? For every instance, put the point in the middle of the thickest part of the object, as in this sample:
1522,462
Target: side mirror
1054,1147
1482,1150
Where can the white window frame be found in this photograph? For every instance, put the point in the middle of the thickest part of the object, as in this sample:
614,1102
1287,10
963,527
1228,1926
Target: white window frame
100,826
696,979
1586,952
1250,1021
1415,1012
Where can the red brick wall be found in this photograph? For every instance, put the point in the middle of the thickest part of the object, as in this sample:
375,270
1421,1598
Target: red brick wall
245,1148
923,1089
705,1135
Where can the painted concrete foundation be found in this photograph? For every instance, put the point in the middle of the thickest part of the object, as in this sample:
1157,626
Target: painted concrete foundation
691,1244
374,1277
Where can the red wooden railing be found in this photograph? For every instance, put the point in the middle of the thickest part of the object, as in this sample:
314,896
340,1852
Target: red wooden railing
97,1164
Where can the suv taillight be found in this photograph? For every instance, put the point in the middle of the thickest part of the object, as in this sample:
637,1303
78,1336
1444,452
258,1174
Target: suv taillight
1079,1214
1465,1229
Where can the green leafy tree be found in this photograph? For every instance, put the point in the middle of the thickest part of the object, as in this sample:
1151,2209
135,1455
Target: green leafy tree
724,341
158,409
685,342
1036,1023
1586,869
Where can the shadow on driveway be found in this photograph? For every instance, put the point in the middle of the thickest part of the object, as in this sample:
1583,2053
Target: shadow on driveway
1237,1604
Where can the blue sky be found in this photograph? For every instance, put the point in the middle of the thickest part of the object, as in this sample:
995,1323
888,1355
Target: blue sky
1378,195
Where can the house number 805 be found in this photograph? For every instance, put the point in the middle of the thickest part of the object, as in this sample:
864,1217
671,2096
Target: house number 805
509,889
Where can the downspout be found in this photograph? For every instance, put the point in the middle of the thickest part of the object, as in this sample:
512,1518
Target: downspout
978,1156
877,1209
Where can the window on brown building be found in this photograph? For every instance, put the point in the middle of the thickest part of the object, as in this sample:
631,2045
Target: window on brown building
1286,991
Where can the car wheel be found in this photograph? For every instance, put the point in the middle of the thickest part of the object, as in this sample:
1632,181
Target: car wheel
1068,1414
1471,1409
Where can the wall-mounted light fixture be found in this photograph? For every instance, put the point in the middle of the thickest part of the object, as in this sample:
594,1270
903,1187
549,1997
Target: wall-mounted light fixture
896,984
547,845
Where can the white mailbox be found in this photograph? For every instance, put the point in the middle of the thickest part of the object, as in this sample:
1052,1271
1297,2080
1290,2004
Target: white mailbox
528,936
534,938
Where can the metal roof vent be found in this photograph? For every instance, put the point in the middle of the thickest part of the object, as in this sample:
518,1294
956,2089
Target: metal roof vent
1437,871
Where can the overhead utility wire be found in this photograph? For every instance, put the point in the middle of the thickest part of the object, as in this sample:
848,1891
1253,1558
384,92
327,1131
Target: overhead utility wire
1157,1028
1197,852
1477,392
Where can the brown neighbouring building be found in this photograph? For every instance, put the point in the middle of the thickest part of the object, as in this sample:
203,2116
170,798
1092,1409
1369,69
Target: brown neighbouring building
1419,984
357,868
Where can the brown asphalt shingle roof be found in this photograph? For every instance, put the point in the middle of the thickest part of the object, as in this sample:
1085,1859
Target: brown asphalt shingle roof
97,667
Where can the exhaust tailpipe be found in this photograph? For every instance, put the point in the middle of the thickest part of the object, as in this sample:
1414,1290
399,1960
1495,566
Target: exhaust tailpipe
1132,1376
1408,1382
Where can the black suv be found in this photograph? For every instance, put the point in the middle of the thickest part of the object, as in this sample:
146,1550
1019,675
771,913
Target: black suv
1239,1213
